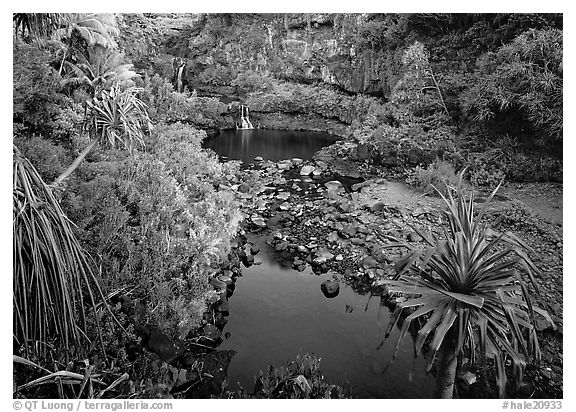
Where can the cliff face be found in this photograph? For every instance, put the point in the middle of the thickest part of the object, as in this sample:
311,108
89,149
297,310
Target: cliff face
309,48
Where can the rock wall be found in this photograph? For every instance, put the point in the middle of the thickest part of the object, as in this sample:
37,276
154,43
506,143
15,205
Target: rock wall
307,48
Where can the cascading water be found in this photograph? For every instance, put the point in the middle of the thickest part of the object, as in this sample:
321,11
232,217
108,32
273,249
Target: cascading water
245,119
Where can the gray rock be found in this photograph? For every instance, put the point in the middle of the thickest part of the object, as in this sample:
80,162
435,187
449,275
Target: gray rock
211,332
330,288
306,170
244,188
334,185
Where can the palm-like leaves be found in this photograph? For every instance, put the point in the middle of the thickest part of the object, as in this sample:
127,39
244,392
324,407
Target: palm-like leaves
119,117
95,29
51,273
468,287
36,25
100,71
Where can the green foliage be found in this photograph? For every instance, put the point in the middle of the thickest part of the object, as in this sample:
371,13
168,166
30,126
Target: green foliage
300,379
53,279
438,174
48,159
99,71
525,75
165,105
159,223
468,289
119,117
36,101
250,81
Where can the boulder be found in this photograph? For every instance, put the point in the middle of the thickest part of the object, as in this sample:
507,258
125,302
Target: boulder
306,170
244,188
334,185
211,332
162,345
330,288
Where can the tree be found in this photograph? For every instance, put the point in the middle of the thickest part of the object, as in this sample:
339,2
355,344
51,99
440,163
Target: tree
99,71
524,76
117,118
52,275
468,291
417,80
94,29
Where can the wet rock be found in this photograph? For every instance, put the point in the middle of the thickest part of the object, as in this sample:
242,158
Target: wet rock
160,344
306,170
330,288
258,159
218,284
226,279
284,165
211,332
244,188
297,161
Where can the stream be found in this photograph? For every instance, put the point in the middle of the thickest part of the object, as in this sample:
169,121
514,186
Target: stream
277,312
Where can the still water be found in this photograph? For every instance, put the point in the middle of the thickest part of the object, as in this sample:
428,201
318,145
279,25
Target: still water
245,145
277,313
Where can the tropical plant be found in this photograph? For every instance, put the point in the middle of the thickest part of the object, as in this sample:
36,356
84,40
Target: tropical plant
93,29
119,118
36,25
99,71
53,279
468,291
525,75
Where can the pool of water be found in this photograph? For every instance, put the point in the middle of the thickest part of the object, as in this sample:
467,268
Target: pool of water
277,313
245,145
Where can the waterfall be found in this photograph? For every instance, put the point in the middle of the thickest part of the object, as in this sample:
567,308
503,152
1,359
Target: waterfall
245,119
179,87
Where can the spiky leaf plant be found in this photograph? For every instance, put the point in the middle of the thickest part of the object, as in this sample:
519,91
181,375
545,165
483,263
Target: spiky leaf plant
53,281
119,117
469,293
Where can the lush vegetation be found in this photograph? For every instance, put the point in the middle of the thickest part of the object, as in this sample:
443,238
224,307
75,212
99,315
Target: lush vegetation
132,206
113,195
470,291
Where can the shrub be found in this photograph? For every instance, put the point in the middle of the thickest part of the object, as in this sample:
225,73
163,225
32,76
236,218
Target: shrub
158,222
48,159
439,174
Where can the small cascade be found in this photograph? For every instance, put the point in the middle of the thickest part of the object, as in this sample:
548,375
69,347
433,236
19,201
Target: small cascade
245,119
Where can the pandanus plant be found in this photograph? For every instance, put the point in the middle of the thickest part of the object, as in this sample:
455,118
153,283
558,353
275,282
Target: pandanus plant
55,288
469,293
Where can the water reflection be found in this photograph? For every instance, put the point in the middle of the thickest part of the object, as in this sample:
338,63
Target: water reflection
277,313
245,145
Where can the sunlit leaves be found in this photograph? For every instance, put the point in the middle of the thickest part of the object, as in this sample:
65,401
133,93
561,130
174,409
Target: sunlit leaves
472,282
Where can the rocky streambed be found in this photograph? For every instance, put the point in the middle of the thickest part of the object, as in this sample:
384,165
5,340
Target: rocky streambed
304,276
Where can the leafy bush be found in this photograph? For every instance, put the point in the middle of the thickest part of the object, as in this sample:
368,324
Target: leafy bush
525,75
47,158
439,174
470,291
158,222
250,81
300,379
165,105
